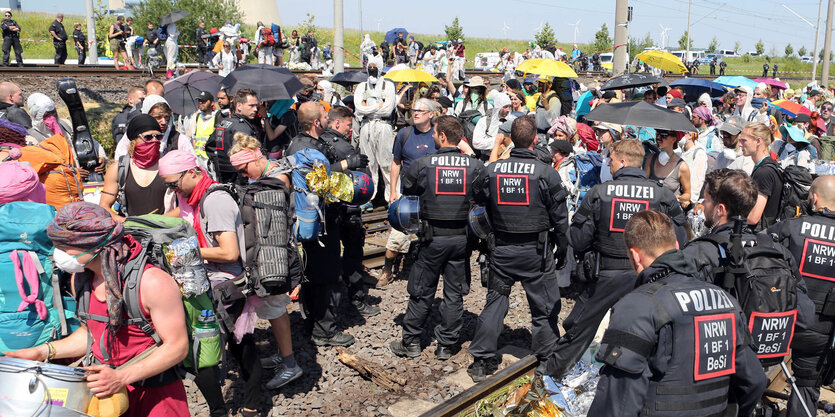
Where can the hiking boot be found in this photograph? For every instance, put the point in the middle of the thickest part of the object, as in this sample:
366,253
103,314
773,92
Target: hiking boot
386,277
365,309
444,352
284,376
480,369
271,362
338,339
411,350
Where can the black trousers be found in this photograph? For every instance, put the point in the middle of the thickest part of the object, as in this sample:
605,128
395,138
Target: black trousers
60,52
450,256
8,43
320,294
352,236
807,348
201,54
538,276
82,55
246,354
582,323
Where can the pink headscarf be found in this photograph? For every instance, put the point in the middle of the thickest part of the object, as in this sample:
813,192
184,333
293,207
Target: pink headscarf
19,182
245,156
705,115
177,161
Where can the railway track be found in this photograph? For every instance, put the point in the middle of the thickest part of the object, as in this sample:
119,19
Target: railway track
374,253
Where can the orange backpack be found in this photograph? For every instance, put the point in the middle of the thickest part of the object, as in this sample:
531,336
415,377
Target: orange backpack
54,161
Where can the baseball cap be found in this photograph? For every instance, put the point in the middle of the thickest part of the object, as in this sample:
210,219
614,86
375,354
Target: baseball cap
733,125
814,93
803,118
528,80
205,96
609,126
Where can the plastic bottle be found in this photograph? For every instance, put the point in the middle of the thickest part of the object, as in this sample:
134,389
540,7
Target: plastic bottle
207,333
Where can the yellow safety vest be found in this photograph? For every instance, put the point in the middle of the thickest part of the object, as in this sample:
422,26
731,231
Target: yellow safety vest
203,130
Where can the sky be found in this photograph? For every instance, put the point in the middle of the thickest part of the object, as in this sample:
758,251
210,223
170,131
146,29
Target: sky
746,21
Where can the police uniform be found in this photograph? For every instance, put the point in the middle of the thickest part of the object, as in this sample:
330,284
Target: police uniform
444,181
321,294
351,230
598,226
222,140
676,346
811,240
525,199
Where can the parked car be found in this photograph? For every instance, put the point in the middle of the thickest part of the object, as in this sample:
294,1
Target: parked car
807,59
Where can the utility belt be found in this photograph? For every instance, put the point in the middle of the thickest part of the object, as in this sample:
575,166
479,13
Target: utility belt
439,228
609,263
518,239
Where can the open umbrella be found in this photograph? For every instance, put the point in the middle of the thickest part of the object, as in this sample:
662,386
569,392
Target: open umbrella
694,87
348,78
642,114
629,81
268,81
773,83
546,67
181,92
173,17
790,107
663,61
411,76
735,81
392,35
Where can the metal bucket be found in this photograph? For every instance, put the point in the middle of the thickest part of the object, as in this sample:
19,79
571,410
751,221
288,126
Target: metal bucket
28,388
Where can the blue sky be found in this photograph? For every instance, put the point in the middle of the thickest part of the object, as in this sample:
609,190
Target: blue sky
745,21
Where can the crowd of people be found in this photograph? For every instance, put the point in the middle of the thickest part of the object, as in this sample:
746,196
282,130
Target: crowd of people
627,218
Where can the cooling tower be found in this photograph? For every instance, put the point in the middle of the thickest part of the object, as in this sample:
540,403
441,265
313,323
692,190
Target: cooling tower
263,10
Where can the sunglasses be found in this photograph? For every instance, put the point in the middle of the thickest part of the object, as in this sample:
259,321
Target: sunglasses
243,170
175,184
823,109
663,133
154,136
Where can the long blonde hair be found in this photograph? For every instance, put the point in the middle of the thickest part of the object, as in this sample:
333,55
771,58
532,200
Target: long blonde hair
242,141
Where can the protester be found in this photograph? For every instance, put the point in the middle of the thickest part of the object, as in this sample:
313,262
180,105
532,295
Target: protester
172,48
668,168
484,134
133,107
11,103
226,60
45,121
755,141
117,38
374,101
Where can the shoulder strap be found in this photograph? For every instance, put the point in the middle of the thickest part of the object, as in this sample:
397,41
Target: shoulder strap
405,138
133,270
219,187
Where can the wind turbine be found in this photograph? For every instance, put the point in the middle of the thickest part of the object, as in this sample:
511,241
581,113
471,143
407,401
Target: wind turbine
505,28
576,28
380,20
664,31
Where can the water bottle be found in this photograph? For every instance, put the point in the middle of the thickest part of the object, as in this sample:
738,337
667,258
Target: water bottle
207,335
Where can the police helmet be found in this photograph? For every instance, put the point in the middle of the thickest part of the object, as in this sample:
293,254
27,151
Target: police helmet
479,222
363,187
404,214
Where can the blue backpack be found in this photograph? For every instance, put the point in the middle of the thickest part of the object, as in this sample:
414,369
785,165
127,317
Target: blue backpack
32,310
162,33
584,176
309,215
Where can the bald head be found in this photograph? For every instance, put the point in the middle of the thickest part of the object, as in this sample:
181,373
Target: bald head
309,113
822,192
10,93
154,87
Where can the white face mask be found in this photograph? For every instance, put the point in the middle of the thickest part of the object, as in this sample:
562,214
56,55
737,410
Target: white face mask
66,262
663,158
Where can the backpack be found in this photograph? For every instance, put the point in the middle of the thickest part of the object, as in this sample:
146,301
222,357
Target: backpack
761,279
827,148
794,200
32,310
309,208
419,46
162,33
469,119
584,176
169,243
264,207
54,161
267,38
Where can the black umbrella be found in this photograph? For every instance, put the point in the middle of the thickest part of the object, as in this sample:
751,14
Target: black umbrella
625,81
173,17
268,81
181,92
348,78
642,114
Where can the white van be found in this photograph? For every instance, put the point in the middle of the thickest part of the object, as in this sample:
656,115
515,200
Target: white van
727,53
701,56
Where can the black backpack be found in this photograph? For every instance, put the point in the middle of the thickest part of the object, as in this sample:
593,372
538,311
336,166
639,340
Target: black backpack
795,196
761,278
469,119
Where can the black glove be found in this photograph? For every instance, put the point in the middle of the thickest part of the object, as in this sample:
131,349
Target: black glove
560,256
356,161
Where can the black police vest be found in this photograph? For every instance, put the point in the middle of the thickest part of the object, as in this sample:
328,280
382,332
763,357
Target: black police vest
707,335
516,200
619,200
304,141
448,189
223,139
813,246
341,145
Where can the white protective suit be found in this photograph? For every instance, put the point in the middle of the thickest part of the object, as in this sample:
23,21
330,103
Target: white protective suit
376,133
171,46
484,135
748,112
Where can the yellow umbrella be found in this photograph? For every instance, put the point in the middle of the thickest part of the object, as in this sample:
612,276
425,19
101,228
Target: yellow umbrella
662,60
547,67
411,76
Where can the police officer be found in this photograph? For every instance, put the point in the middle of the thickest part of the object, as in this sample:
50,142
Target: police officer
808,238
597,239
444,181
525,202
351,231
243,119
675,346
729,194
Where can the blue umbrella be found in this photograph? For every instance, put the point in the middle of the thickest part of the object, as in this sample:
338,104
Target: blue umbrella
695,87
734,81
392,34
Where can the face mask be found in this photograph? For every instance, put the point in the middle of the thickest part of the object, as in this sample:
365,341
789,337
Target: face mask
68,263
146,154
474,96
373,72
51,123
316,96
663,158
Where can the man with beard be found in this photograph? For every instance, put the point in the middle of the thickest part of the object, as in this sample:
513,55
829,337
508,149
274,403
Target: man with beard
243,120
